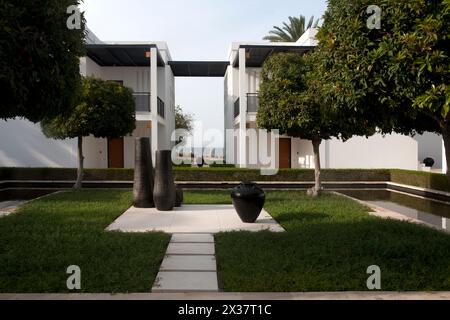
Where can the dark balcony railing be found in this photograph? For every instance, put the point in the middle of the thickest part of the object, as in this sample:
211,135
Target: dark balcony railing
161,108
142,100
252,104
237,109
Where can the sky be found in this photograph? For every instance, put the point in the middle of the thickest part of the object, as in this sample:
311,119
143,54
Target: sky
195,30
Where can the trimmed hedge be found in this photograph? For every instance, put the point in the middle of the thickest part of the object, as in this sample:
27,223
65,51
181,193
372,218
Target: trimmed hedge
414,178
421,179
294,175
63,174
195,174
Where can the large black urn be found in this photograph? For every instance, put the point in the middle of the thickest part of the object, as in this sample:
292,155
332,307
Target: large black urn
164,192
248,200
143,175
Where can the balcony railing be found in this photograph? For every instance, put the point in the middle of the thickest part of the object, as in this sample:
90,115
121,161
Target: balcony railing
142,100
161,108
252,104
237,109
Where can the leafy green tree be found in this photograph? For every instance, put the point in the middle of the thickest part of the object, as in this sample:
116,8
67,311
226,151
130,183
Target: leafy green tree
290,99
39,58
106,109
396,76
292,31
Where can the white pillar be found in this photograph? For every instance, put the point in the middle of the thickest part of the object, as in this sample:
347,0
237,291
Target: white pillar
444,160
154,98
243,90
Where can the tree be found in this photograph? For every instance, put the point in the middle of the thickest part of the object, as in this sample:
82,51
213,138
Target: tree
106,110
396,76
289,102
292,31
183,120
39,58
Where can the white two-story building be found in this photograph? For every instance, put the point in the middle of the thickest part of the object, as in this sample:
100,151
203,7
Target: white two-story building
143,67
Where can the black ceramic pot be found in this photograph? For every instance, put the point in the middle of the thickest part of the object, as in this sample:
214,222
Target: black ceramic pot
248,200
143,175
164,193
179,196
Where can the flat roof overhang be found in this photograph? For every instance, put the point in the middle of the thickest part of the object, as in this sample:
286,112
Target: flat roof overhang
122,55
257,54
199,68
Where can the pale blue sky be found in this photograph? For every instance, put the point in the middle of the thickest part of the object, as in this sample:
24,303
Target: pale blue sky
194,30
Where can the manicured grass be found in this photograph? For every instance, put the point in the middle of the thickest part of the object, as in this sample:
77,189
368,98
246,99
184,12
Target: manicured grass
38,243
329,244
207,197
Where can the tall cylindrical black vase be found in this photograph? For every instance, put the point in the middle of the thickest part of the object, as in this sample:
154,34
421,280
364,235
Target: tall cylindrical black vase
164,192
143,175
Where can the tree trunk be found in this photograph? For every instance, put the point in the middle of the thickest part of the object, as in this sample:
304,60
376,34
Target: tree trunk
80,172
314,191
446,138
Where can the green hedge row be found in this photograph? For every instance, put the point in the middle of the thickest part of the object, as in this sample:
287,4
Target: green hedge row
194,174
414,178
299,175
62,174
421,179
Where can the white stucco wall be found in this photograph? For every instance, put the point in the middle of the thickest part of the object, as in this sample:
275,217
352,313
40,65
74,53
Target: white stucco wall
22,144
444,159
301,154
430,145
391,151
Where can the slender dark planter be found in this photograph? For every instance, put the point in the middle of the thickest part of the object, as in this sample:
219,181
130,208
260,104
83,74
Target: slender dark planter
179,196
143,175
164,192
248,200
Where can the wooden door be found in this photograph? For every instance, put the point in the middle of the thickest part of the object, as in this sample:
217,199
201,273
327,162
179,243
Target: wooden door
284,157
115,153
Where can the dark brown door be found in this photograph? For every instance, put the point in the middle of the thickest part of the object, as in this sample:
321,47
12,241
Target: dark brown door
115,153
285,153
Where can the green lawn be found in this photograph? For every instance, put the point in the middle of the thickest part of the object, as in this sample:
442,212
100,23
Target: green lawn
38,243
328,246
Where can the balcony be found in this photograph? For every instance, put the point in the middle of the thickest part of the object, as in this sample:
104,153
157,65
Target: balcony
142,100
252,104
161,108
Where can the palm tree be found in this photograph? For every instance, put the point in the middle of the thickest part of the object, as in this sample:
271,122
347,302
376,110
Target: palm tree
292,31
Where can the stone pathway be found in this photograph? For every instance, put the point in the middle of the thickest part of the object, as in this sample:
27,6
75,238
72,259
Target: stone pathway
8,207
191,219
189,265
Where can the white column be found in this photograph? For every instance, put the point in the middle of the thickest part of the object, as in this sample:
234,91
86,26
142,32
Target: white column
243,90
154,98
444,160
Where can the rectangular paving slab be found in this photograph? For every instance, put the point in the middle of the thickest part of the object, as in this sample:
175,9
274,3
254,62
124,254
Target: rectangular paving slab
191,219
186,282
189,263
192,237
191,248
